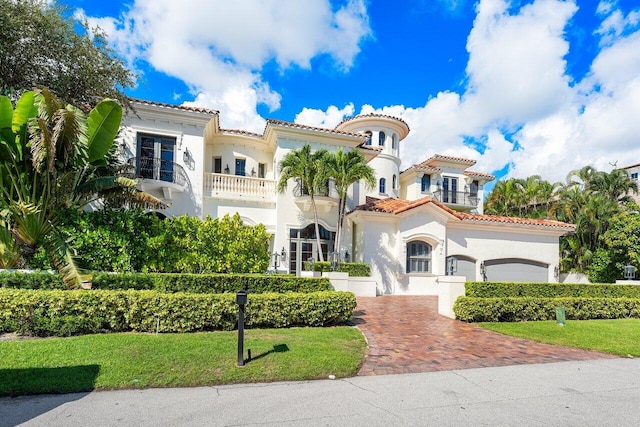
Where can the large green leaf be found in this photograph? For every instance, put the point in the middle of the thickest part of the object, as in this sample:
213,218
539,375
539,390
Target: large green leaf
25,110
103,125
6,112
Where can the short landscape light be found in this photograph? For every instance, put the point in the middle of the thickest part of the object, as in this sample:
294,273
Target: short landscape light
629,272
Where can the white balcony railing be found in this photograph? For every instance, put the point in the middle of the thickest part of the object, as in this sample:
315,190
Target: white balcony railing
241,187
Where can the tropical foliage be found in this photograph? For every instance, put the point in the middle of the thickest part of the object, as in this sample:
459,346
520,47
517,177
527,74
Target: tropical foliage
55,157
40,47
309,170
589,198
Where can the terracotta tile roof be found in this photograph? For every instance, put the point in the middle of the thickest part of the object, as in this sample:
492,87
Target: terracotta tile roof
422,168
373,115
305,127
474,174
397,206
241,132
174,107
439,157
370,147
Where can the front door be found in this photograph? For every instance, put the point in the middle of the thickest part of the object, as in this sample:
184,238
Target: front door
450,189
303,246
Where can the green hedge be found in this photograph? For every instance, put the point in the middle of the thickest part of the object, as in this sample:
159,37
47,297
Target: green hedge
62,313
549,290
355,269
509,309
194,283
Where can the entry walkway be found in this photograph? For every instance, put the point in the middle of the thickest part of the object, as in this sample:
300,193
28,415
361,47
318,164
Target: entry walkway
406,335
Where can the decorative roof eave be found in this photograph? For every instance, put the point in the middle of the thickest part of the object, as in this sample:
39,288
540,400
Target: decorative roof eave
368,152
421,169
273,123
184,108
240,132
400,125
436,158
480,175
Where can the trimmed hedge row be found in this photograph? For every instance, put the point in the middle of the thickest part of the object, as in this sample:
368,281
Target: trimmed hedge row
193,283
508,309
56,312
549,290
355,269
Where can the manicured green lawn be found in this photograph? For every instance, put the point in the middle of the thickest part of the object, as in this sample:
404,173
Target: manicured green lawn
113,361
616,336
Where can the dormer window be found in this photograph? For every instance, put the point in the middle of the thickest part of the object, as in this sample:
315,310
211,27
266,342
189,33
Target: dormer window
425,183
381,138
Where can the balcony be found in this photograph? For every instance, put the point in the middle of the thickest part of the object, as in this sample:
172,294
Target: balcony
456,199
159,174
235,187
325,199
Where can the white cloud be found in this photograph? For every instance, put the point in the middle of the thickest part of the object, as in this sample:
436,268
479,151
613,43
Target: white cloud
520,105
218,48
326,119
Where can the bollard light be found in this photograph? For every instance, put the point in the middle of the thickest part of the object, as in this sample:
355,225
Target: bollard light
241,300
629,272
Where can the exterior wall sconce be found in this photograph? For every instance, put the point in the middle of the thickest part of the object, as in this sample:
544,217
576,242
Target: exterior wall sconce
276,262
226,169
347,256
253,171
283,255
483,271
629,272
452,265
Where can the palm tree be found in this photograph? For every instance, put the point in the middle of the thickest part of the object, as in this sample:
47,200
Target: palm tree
347,168
310,171
54,157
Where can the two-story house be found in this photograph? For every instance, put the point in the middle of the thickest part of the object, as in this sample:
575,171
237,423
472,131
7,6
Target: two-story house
414,226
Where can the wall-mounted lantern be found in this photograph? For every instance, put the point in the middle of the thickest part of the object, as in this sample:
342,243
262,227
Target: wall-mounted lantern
629,272
283,255
452,265
347,256
483,271
226,169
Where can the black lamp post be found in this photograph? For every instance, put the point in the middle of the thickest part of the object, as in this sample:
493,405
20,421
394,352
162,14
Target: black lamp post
241,300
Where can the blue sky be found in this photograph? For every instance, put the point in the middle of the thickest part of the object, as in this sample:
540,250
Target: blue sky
524,87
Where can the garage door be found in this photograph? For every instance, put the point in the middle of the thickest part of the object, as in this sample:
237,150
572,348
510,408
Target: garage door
466,268
516,270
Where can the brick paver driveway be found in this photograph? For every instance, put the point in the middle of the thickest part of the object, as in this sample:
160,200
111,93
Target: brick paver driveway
406,334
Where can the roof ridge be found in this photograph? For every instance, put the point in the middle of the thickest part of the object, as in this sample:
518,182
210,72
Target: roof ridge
176,107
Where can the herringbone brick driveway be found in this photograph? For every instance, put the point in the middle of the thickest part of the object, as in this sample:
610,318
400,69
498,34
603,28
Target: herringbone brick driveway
406,334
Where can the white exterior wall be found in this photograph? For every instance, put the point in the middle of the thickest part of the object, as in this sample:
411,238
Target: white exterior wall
378,248
490,242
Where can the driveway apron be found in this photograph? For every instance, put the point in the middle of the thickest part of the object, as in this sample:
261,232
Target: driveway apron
406,334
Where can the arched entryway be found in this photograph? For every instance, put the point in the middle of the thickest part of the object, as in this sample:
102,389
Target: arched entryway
303,245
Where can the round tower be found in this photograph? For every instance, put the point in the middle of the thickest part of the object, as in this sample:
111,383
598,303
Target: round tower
385,133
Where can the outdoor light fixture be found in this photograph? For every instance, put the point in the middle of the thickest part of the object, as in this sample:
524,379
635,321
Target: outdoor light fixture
275,257
629,272
283,255
186,156
334,260
452,265
483,270
226,169
347,257
253,171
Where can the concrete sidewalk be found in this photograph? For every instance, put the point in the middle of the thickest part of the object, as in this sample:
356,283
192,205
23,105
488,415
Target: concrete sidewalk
579,393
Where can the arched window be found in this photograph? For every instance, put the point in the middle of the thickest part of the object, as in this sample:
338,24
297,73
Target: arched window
425,184
381,138
383,185
395,182
394,141
418,257
368,133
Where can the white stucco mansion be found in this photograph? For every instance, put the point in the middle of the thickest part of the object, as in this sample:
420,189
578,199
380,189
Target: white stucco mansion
406,228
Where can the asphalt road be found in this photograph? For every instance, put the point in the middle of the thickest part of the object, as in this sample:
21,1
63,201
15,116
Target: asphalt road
587,393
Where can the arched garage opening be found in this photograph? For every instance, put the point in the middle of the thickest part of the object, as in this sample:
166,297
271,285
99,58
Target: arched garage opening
466,267
515,270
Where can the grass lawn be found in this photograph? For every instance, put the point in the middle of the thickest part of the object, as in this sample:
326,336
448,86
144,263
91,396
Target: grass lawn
616,336
133,360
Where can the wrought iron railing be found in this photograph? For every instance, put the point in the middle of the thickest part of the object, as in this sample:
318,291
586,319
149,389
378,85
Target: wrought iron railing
159,170
456,198
328,191
238,185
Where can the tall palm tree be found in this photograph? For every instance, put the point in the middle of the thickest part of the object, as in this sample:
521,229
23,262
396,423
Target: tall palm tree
54,157
347,168
309,168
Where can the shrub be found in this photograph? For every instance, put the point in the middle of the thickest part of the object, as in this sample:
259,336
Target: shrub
193,283
59,312
509,309
549,290
355,269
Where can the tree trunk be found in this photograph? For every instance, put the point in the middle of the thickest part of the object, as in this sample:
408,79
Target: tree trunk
315,217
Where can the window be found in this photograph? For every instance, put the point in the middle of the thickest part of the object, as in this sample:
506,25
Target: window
381,138
473,188
217,165
394,141
262,167
383,185
418,257
450,189
425,184
155,157
395,182
634,176
368,133
240,166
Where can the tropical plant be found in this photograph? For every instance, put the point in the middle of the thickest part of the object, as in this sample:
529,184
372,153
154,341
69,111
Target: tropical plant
347,168
55,157
309,169
42,44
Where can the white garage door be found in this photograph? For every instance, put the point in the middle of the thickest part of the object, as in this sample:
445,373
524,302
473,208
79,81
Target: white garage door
466,268
516,270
